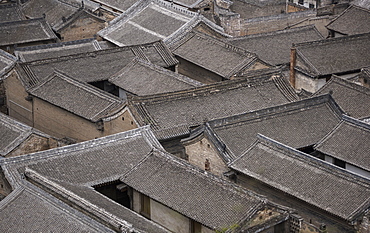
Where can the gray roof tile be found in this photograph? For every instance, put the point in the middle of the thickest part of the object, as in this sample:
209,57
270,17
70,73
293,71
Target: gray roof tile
336,55
151,20
81,99
274,47
348,141
10,12
298,124
143,78
29,209
310,179
54,10
40,52
196,194
25,31
7,62
211,53
354,20
96,65
178,110
351,97
71,171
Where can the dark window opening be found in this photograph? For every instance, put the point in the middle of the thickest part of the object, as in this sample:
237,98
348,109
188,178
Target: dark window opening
311,5
307,149
106,86
207,9
301,2
339,163
145,206
116,191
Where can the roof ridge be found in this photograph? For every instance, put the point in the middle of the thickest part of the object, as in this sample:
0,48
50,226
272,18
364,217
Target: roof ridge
316,162
278,109
285,88
335,39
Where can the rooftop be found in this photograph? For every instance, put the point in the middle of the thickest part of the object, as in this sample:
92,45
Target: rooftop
25,31
174,113
7,62
274,47
348,141
206,51
354,20
148,21
332,56
192,192
40,52
13,133
96,65
41,212
55,11
351,97
71,171
79,98
10,12
297,124
143,78
312,180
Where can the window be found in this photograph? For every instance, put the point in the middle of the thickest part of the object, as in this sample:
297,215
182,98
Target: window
195,227
301,2
145,206
339,163
311,5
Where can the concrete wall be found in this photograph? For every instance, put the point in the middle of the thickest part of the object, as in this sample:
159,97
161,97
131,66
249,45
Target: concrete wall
33,144
307,83
61,123
18,107
169,218
247,10
84,27
123,121
201,149
197,73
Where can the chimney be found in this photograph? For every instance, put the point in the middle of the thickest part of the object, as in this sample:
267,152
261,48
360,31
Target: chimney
293,57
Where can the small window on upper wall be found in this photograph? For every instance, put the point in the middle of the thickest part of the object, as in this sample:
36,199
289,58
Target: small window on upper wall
311,5
301,2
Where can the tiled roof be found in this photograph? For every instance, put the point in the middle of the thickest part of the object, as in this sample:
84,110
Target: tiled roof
189,3
12,134
274,47
29,209
178,110
96,65
40,52
152,20
71,171
312,180
361,3
351,97
354,20
190,191
297,124
25,31
336,55
348,141
143,78
7,62
55,11
80,14
10,12
117,4
212,54
81,99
